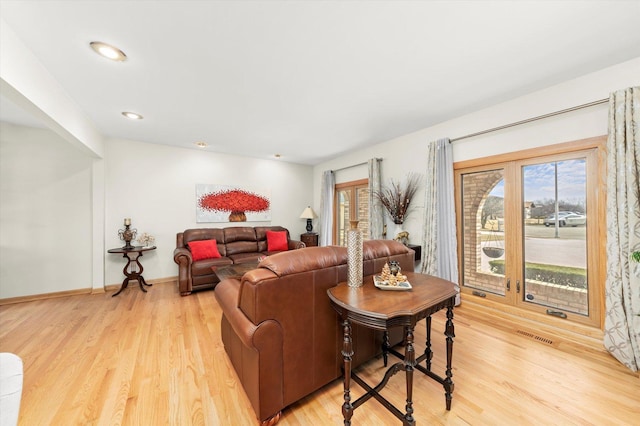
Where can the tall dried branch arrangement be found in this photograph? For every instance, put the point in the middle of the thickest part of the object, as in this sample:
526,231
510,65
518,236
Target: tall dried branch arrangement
396,197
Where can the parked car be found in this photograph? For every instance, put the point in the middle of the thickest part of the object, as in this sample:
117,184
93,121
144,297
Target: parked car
566,219
575,219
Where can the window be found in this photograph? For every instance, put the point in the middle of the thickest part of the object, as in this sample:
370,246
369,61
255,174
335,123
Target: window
530,230
351,203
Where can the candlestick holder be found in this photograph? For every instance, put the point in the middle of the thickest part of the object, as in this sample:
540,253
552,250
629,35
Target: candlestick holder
127,235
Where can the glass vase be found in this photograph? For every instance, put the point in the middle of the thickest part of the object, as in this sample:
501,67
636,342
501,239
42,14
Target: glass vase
354,256
394,230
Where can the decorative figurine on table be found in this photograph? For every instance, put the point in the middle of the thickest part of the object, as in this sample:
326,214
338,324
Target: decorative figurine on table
147,240
391,274
386,272
403,237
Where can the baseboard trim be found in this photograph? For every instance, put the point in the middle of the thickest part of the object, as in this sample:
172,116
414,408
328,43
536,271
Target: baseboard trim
110,287
33,297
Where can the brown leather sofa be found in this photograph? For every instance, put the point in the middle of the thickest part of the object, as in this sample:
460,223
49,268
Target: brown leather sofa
238,244
279,330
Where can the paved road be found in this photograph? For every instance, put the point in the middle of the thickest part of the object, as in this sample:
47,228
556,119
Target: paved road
556,251
541,246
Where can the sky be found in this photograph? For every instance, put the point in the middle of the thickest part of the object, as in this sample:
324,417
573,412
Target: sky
539,182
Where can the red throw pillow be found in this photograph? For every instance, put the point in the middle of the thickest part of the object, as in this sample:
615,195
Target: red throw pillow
277,241
204,249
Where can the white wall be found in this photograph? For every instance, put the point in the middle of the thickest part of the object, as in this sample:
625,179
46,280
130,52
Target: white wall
408,153
45,213
154,185
27,83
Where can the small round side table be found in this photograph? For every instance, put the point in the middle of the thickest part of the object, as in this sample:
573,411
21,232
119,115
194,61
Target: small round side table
131,271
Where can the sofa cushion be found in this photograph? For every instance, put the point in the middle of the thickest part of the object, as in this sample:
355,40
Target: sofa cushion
311,259
237,247
374,252
277,241
203,267
203,234
261,235
239,233
204,249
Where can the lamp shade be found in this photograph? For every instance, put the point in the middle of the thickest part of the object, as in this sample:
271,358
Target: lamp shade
308,213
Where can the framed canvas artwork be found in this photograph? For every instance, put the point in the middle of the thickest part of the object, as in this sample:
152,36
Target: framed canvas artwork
225,203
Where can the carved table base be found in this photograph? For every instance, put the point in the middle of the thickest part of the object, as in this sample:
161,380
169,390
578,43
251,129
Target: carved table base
133,269
366,307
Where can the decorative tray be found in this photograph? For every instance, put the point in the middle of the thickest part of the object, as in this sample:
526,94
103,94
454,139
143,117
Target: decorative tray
384,285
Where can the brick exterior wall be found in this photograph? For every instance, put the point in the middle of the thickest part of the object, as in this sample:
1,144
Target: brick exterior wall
476,189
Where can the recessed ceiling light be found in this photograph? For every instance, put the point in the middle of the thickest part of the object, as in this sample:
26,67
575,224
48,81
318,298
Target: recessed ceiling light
108,51
200,144
132,115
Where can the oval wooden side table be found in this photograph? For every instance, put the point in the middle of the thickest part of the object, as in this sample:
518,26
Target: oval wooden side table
133,269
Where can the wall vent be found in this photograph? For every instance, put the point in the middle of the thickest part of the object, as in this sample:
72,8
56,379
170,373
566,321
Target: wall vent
535,337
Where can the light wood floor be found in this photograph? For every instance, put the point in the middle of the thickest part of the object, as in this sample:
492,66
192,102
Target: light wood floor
157,358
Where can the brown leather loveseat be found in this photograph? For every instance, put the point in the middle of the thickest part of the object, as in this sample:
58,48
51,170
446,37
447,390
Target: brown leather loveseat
237,244
279,330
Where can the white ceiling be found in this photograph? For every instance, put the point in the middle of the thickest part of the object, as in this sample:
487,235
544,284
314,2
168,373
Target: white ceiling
312,79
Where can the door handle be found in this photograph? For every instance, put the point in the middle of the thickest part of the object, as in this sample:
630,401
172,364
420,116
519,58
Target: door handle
508,284
558,314
517,286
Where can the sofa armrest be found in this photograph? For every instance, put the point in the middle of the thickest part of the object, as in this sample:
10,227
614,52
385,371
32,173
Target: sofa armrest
227,293
255,351
182,256
294,245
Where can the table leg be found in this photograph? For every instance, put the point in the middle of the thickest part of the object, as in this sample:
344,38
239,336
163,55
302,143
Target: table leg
428,353
409,363
138,274
385,347
347,354
142,281
125,283
449,332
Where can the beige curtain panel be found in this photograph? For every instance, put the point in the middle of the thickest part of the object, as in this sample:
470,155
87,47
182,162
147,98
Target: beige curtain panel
439,243
622,294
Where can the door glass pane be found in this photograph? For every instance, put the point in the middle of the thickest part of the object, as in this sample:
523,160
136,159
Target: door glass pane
343,212
555,235
363,210
483,235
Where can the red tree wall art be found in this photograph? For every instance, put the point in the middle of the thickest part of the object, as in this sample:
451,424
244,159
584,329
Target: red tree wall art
215,202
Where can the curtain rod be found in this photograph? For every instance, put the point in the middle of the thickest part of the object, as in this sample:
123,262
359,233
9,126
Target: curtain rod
529,120
354,165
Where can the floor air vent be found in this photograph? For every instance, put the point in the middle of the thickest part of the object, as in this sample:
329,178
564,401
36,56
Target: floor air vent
533,336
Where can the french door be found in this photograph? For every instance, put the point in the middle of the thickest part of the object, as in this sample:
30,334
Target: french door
531,231
351,203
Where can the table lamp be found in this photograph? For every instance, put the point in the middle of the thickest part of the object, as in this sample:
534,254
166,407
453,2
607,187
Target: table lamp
308,214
